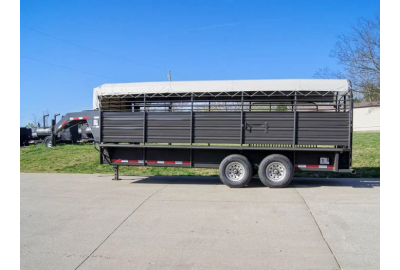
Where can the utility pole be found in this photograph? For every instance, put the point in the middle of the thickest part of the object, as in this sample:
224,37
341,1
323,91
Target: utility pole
169,75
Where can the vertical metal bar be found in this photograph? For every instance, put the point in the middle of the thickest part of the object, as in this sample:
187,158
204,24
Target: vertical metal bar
337,102
241,123
144,119
116,173
350,125
144,130
100,99
191,131
337,107
336,163
295,120
191,120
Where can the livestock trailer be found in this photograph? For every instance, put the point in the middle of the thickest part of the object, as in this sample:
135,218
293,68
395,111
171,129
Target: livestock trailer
79,132
242,127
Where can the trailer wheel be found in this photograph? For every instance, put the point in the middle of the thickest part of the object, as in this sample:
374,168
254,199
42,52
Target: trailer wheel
235,171
48,142
276,171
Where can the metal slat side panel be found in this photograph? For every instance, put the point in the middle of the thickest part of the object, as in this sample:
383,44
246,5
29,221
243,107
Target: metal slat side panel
323,128
314,128
217,127
268,128
168,127
122,126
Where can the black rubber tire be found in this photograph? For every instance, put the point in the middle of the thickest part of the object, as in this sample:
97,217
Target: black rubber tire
48,142
262,171
248,171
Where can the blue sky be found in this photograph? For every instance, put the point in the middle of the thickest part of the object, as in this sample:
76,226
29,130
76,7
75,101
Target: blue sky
196,40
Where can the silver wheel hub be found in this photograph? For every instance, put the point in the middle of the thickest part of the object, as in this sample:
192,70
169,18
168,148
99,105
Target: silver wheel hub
276,171
234,171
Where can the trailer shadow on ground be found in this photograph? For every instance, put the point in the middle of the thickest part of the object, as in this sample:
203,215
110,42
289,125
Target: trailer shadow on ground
298,182
301,182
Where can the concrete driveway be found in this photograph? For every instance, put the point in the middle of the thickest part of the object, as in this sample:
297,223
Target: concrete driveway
71,221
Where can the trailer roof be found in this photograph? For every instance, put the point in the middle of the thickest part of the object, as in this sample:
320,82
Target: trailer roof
123,89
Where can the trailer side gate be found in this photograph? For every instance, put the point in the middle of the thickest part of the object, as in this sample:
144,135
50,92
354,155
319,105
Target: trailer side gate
241,132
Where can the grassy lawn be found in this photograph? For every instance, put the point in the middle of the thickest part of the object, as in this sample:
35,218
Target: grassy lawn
83,158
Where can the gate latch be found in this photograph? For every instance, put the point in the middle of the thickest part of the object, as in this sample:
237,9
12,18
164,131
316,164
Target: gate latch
247,127
265,126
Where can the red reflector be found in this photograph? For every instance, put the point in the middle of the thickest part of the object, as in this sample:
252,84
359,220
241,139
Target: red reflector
313,166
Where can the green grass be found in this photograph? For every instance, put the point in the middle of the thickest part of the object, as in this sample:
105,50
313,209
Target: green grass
366,158
83,158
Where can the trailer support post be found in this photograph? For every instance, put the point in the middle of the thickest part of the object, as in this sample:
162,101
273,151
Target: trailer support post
336,163
53,132
116,173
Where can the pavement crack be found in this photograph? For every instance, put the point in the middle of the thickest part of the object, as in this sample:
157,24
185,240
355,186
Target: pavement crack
134,210
319,228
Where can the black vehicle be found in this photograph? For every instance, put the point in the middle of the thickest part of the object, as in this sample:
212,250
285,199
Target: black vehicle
269,127
25,135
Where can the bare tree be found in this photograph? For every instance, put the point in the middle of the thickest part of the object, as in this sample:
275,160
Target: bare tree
38,121
326,73
34,120
359,54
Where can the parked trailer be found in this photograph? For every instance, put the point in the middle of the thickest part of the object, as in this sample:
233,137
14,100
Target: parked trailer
242,127
80,132
39,133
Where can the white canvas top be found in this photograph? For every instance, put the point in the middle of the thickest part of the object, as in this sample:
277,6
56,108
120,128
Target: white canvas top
120,89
